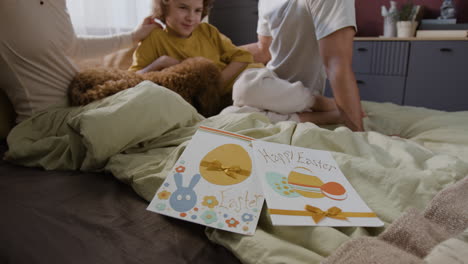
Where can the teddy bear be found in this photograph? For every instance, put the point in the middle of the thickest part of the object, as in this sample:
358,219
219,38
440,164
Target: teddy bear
197,80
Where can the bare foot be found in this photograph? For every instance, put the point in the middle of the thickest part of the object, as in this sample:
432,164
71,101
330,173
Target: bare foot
321,118
324,104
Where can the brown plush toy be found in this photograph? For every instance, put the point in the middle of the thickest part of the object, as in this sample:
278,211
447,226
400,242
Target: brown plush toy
197,80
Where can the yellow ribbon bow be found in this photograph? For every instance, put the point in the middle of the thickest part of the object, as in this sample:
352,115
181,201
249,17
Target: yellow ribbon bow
318,214
230,171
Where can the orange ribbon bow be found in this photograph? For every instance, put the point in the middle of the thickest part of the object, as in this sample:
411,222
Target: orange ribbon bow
230,171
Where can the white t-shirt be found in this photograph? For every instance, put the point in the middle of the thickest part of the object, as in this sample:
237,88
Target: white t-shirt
296,26
36,45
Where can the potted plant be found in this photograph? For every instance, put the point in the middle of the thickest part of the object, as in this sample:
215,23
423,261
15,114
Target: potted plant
406,25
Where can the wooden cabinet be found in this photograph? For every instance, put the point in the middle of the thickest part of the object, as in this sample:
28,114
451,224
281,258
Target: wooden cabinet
236,19
381,88
431,74
362,57
380,69
438,75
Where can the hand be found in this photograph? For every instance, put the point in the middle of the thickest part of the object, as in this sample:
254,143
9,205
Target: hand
354,125
164,62
144,29
159,64
260,50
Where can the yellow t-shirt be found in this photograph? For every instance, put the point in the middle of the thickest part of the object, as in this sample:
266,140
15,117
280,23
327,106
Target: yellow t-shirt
205,41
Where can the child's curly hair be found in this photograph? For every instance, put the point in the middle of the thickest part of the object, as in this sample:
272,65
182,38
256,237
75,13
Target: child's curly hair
160,8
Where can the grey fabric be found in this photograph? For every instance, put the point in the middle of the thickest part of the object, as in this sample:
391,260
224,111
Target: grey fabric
74,217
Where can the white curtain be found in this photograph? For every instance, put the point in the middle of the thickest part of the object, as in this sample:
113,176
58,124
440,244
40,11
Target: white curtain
104,17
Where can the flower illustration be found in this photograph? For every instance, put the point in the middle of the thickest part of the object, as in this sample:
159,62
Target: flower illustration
164,195
180,169
160,207
232,222
209,217
247,217
210,201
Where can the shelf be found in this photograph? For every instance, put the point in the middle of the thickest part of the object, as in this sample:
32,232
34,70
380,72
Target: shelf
407,39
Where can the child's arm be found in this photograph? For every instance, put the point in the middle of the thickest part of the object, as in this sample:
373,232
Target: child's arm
231,71
236,59
260,49
146,57
159,64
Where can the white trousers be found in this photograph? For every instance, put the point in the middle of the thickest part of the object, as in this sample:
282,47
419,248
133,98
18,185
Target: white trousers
261,88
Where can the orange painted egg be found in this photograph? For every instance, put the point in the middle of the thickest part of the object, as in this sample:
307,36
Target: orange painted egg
334,190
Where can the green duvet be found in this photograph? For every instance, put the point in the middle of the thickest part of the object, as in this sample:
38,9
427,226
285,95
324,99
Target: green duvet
138,135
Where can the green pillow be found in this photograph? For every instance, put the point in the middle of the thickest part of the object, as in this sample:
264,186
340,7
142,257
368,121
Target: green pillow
7,115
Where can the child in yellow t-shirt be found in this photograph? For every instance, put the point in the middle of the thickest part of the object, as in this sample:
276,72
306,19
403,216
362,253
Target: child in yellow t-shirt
185,37
256,89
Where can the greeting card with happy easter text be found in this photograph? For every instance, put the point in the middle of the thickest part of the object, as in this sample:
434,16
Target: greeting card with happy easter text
305,187
213,183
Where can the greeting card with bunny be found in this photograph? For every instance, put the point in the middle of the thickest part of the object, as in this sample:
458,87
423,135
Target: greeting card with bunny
213,183
306,187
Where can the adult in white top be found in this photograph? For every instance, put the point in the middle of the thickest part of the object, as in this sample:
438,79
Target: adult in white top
306,41
36,49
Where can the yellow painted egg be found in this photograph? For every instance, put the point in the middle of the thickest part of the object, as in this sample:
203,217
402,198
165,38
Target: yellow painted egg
304,183
226,165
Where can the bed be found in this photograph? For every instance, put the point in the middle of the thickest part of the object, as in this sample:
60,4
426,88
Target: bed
76,217
83,177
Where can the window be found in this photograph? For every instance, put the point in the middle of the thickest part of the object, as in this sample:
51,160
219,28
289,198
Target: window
104,17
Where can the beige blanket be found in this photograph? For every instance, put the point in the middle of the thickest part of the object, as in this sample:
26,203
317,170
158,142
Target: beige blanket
138,134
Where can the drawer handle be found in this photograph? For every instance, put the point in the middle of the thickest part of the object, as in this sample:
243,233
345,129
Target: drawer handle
360,82
362,49
446,50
